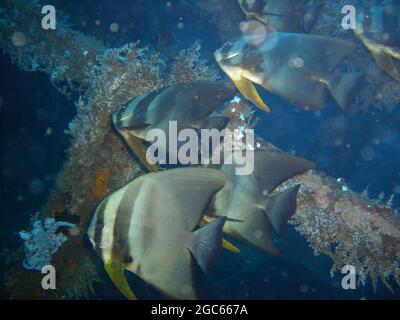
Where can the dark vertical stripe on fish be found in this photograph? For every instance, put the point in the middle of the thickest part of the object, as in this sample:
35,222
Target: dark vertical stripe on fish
98,230
120,249
143,105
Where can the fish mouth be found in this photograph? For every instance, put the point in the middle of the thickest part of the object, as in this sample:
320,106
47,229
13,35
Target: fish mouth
115,118
219,56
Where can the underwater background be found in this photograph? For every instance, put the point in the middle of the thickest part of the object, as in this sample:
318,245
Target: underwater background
360,145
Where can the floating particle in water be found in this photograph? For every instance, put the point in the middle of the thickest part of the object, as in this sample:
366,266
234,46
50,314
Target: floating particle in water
304,288
396,189
114,27
345,188
19,39
385,37
376,141
49,131
180,25
338,142
42,114
97,22
317,113
284,274
258,234
36,187
368,153
266,280
296,62
20,198
168,4
254,27
75,231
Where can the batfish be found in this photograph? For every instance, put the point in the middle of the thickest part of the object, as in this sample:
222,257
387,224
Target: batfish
378,27
188,104
149,227
250,204
297,67
283,15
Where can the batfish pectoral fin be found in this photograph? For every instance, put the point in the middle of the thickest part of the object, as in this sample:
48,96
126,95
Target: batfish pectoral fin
139,149
255,230
281,207
229,246
116,272
385,61
249,91
207,243
225,243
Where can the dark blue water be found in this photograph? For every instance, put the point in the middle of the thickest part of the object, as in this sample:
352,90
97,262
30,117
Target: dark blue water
340,143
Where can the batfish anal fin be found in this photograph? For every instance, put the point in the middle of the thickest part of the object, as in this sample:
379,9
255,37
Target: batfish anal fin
281,207
249,91
207,243
116,272
255,230
385,61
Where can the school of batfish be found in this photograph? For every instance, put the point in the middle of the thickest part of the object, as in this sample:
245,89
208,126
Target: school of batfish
163,223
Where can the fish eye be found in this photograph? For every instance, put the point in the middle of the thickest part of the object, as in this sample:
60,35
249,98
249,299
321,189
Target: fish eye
100,226
232,55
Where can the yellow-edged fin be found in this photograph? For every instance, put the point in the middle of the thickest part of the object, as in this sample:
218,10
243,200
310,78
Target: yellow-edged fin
140,151
249,91
229,246
116,272
385,61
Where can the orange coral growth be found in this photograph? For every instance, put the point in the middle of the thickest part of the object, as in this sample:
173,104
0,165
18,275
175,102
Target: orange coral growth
100,183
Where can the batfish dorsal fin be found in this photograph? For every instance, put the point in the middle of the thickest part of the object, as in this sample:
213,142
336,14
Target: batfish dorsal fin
335,49
271,168
207,243
281,207
192,188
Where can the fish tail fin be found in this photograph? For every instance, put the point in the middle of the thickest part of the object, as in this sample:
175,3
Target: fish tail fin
385,61
116,272
281,207
343,85
207,243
